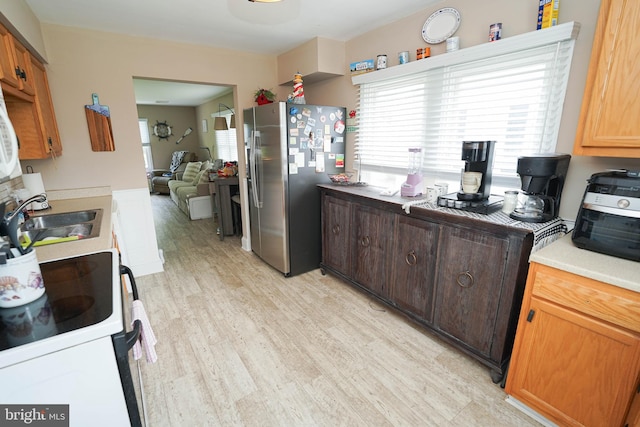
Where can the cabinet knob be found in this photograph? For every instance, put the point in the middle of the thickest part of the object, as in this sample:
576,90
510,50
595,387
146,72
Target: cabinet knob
336,229
411,258
464,279
365,241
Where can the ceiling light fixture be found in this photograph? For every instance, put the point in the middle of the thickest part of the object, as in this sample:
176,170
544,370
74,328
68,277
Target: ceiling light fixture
220,122
264,1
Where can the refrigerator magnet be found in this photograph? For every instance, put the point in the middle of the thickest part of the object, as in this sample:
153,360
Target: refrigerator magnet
323,118
339,160
327,143
339,127
311,121
293,132
293,169
306,112
332,117
293,119
320,164
327,129
293,140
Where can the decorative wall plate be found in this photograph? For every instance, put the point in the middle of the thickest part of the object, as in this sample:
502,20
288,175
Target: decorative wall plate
441,25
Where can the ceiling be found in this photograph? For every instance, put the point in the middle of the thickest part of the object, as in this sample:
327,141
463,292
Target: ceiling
270,28
162,92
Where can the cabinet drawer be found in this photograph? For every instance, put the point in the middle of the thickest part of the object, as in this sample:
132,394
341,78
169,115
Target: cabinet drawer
609,303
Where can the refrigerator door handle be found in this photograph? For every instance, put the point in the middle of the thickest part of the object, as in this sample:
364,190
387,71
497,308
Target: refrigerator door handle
255,144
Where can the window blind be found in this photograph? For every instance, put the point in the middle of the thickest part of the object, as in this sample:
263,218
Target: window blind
226,144
143,126
514,98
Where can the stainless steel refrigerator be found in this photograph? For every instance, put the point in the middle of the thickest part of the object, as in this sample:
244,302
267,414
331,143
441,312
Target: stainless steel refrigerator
290,149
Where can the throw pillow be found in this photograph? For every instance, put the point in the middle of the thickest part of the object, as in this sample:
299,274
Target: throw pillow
196,180
191,171
176,158
204,178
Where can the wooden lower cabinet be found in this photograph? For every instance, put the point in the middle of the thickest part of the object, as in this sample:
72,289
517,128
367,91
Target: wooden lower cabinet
336,236
576,358
413,265
371,244
470,280
460,278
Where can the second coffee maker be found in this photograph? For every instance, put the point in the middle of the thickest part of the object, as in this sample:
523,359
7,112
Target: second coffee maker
478,161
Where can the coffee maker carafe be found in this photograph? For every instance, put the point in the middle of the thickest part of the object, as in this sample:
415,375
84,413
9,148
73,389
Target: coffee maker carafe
542,177
478,157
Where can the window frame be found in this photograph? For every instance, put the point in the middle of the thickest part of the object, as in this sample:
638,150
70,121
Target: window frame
369,126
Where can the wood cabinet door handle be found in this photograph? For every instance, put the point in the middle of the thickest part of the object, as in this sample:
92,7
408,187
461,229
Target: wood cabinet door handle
336,229
411,258
365,241
464,279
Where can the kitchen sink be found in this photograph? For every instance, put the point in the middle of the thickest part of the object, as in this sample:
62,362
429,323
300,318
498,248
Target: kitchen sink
61,227
61,219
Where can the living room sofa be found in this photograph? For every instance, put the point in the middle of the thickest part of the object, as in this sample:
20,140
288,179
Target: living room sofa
160,177
190,190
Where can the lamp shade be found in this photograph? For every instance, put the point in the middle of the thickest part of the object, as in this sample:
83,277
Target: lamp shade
220,123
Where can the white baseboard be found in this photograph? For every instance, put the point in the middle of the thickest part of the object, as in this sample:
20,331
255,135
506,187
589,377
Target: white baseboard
528,411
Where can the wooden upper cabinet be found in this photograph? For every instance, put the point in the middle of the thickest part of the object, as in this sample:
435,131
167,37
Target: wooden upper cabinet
7,58
33,117
23,63
15,63
50,136
609,124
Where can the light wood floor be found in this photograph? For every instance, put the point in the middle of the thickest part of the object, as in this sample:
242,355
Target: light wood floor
239,344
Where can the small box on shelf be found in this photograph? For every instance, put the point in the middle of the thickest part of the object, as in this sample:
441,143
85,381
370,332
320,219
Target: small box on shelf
548,11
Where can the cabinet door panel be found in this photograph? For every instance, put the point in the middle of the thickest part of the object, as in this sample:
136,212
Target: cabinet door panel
372,235
45,109
470,277
23,61
413,269
574,368
609,123
7,58
336,235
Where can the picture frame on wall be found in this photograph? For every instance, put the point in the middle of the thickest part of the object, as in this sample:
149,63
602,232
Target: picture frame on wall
205,126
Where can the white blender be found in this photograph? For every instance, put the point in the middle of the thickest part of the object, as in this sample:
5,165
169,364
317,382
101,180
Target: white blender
413,186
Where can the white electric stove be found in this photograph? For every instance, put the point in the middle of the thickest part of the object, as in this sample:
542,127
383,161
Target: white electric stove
68,347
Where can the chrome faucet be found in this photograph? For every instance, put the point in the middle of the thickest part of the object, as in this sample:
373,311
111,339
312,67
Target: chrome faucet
9,223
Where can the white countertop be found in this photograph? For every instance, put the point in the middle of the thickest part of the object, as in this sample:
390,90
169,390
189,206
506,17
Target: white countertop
564,255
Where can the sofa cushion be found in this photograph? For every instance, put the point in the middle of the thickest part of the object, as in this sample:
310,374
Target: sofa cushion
175,184
191,171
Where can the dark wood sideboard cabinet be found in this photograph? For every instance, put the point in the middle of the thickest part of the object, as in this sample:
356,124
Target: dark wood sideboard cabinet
461,277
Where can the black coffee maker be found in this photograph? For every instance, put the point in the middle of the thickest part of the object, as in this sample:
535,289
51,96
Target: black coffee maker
542,177
478,157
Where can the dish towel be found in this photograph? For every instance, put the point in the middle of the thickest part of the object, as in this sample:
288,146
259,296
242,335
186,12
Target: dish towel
147,337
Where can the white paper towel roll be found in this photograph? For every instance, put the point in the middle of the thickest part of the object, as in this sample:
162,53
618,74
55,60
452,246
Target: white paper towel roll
33,183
